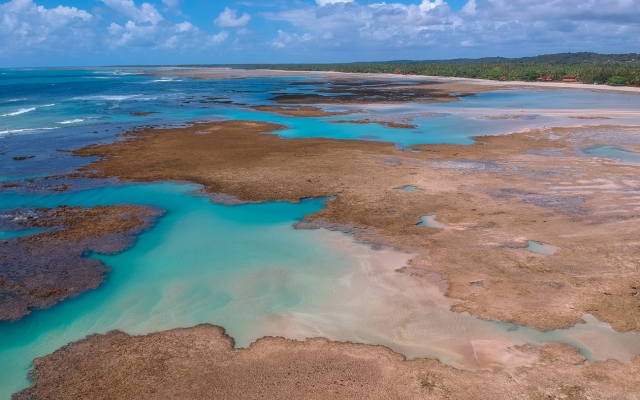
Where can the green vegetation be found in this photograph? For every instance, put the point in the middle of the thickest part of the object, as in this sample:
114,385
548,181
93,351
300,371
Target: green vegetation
618,81
614,69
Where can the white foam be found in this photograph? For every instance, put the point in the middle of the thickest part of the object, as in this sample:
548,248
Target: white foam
108,98
71,121
13,100
48,105
20,111
27,130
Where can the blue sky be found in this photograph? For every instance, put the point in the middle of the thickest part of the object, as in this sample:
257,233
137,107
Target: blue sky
108,32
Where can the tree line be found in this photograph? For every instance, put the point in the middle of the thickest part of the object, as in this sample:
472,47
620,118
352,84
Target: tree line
618,74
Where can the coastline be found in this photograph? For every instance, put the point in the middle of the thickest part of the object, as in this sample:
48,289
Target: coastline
487,203
221,73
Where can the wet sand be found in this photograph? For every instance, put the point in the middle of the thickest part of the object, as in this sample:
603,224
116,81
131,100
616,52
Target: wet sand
491,196
200,362
39,270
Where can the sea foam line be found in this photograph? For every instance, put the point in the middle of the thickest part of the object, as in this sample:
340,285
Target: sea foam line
20,111
108,98
71,121
27,130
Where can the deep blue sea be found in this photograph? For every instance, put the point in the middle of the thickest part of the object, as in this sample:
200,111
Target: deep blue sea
245,267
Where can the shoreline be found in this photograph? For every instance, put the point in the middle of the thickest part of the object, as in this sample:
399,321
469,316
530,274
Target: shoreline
239,73
491,200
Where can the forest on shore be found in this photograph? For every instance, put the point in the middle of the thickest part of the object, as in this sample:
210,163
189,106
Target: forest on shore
591,68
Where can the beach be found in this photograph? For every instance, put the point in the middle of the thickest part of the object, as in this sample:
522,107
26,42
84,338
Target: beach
435,235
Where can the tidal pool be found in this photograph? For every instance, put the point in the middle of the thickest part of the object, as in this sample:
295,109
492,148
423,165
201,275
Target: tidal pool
409,188
541,248
614,152
245,268
430,222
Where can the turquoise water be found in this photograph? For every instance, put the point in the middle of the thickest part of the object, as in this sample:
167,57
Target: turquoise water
429,221
541,248
78,102
179,274
409,189
246,268
616,153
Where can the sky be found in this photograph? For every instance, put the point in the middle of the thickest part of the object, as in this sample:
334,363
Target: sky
38,33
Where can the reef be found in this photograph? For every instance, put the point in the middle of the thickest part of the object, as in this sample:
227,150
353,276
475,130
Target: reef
303,111
201,363
492,196
39,270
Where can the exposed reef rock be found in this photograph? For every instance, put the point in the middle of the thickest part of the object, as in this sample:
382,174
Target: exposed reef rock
39,270
347,90
491,196
388,124
201,363
302,111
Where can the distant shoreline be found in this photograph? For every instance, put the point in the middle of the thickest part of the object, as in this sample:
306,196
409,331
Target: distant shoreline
485,82
231,73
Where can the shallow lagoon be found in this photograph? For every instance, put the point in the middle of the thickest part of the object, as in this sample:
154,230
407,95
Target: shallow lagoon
107,99
616,153
246,268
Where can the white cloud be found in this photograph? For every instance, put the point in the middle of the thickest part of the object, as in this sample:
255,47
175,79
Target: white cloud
382,29
148,28
25,25
219,38
229,19
287,39
171,3
535,25
146,12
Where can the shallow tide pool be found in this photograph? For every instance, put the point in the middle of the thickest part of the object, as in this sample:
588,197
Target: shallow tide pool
616,153
245,268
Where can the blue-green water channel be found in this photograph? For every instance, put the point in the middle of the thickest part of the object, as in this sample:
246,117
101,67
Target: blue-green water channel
245,268
616,153
180,273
